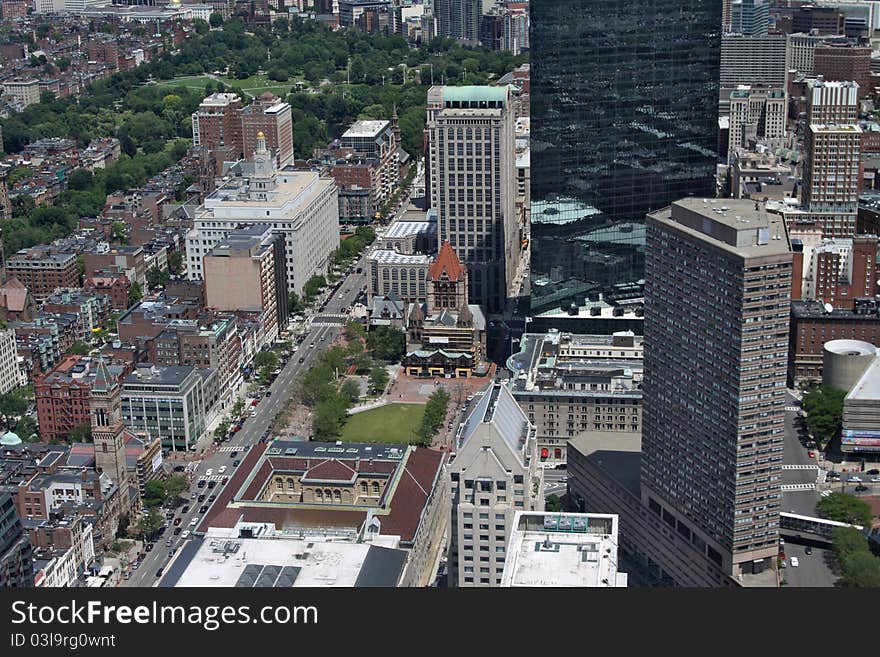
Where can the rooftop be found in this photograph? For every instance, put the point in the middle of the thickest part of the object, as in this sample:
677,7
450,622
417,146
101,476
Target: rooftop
563,550
739,226
868,387
365,129
276,560
148,373
470,94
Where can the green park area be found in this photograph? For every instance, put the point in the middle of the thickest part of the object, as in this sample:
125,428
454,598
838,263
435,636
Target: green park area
254,85
394,423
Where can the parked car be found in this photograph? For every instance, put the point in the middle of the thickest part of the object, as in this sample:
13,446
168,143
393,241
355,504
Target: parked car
203,509
209,472
221,469
177,531
177,521
184,535
861,488
194,521
225,481
794,562
856,479
185,509
232,455
808,549
235,463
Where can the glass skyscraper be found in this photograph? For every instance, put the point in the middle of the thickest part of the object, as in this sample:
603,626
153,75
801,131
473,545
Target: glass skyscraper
624,121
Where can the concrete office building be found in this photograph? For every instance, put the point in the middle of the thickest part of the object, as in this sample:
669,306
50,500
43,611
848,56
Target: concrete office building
753,60
167,402
473,185
459,19
16,564
246,271
22,92
493,475
300,205
756,113
749,17
799,52
717,290
11,376
569,383
563,550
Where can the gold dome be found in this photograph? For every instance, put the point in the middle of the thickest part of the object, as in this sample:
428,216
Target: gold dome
260,135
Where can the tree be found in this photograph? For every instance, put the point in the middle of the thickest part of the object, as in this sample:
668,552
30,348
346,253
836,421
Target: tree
79,349
435,413
175,485
387,343
312,286
154,493
378,378
329,417
26,428
148,524
824,407
135,293
175,263
157,278
294,303
81,180
81,433
350,390
845,508
266,359
553,503
201,26
216,20
354,331
860,569
12,404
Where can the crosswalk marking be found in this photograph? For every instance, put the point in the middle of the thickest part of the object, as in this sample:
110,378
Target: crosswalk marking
215,477
793,409
799,467
229,448
797,487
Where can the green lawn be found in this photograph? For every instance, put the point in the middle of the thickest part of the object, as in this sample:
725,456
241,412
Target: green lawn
255,85
394,423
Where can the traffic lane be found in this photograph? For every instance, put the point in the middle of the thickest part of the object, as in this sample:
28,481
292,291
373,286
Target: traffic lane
793,452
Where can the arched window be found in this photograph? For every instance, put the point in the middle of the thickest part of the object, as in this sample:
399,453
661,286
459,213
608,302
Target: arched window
279,484
328,494
337,496
375,488
364,487
290,483
319,495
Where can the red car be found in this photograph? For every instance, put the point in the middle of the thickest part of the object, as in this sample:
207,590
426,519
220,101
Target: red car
255,402
812,455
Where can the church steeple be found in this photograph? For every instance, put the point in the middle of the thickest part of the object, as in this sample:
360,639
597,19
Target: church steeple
105,402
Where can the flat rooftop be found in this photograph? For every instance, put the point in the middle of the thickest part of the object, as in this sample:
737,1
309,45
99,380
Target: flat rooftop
222,559
738,226
387,257
365,129
563,549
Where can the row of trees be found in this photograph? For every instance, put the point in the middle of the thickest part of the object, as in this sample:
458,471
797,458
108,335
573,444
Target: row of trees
435,414
352,247
824,407
859,567
159,491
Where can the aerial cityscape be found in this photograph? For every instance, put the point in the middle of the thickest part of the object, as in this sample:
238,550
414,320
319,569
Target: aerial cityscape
284,303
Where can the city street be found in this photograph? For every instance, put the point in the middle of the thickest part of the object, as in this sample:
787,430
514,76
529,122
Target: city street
321,332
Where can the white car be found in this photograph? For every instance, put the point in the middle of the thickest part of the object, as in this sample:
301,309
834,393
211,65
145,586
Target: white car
194,522
858,480
794,562
221,469
209,472
184,534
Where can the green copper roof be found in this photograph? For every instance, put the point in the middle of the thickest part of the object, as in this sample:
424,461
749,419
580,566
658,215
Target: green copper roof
472,94
10,439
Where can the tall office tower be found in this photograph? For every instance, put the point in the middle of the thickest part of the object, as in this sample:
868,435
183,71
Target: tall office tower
839,64
800,52
717,288
756,113
624,120
217,123
272,117
832,147
16,554
459,19
753,60
107,428
750,17
472,169
495,474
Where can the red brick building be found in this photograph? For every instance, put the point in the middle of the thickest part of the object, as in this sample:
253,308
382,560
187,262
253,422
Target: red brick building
844,64
812,325
838,272
42,271
217,123
114,284
62,396
273,117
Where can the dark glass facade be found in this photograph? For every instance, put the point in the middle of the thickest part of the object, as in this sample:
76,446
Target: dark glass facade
624,120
